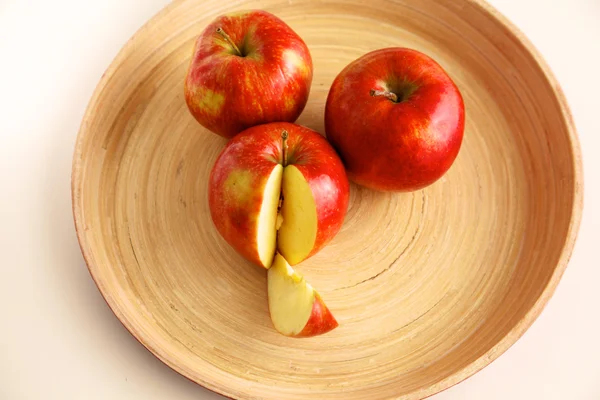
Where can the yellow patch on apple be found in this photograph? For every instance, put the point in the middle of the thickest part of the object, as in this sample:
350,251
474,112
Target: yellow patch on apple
238,186
209,101
293,61
289,104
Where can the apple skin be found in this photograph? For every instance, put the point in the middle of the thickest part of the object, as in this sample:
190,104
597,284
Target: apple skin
253,154
395,146
321,320
228,93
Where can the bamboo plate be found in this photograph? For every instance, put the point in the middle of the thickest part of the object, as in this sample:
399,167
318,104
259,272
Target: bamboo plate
428,287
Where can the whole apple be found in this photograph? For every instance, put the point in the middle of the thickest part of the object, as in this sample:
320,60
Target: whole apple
248,68
278,187
396,118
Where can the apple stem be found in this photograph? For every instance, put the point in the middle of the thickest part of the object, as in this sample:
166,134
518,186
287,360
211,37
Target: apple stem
227,38
284,147
388,95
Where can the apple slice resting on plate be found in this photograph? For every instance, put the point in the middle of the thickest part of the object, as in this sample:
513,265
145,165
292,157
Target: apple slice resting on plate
296,308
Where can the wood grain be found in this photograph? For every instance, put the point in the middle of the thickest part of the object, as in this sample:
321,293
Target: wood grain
428,287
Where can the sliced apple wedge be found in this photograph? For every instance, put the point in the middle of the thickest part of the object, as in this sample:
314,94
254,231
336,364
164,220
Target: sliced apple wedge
296,308
298,231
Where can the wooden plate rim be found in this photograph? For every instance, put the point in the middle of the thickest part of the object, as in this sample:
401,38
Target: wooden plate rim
492,354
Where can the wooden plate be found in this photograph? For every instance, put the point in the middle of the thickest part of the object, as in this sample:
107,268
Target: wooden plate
428,287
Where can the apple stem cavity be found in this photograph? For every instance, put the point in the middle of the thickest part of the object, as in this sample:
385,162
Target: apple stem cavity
384,93
227,38
284,147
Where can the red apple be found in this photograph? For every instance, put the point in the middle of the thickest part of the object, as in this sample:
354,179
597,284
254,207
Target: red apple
296,308
248,68
396,119
278,186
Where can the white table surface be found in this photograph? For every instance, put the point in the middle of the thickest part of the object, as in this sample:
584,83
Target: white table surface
59,340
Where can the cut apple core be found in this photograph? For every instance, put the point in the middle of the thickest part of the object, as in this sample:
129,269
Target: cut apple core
267,218
298,231
291,298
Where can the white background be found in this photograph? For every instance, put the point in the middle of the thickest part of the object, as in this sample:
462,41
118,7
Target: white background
59,340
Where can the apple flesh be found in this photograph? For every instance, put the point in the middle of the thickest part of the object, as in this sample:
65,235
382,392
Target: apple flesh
396,118
296,308
298,232
248,68
278,186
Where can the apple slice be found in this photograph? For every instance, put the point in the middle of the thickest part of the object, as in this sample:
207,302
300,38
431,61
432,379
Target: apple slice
296,308
298,231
